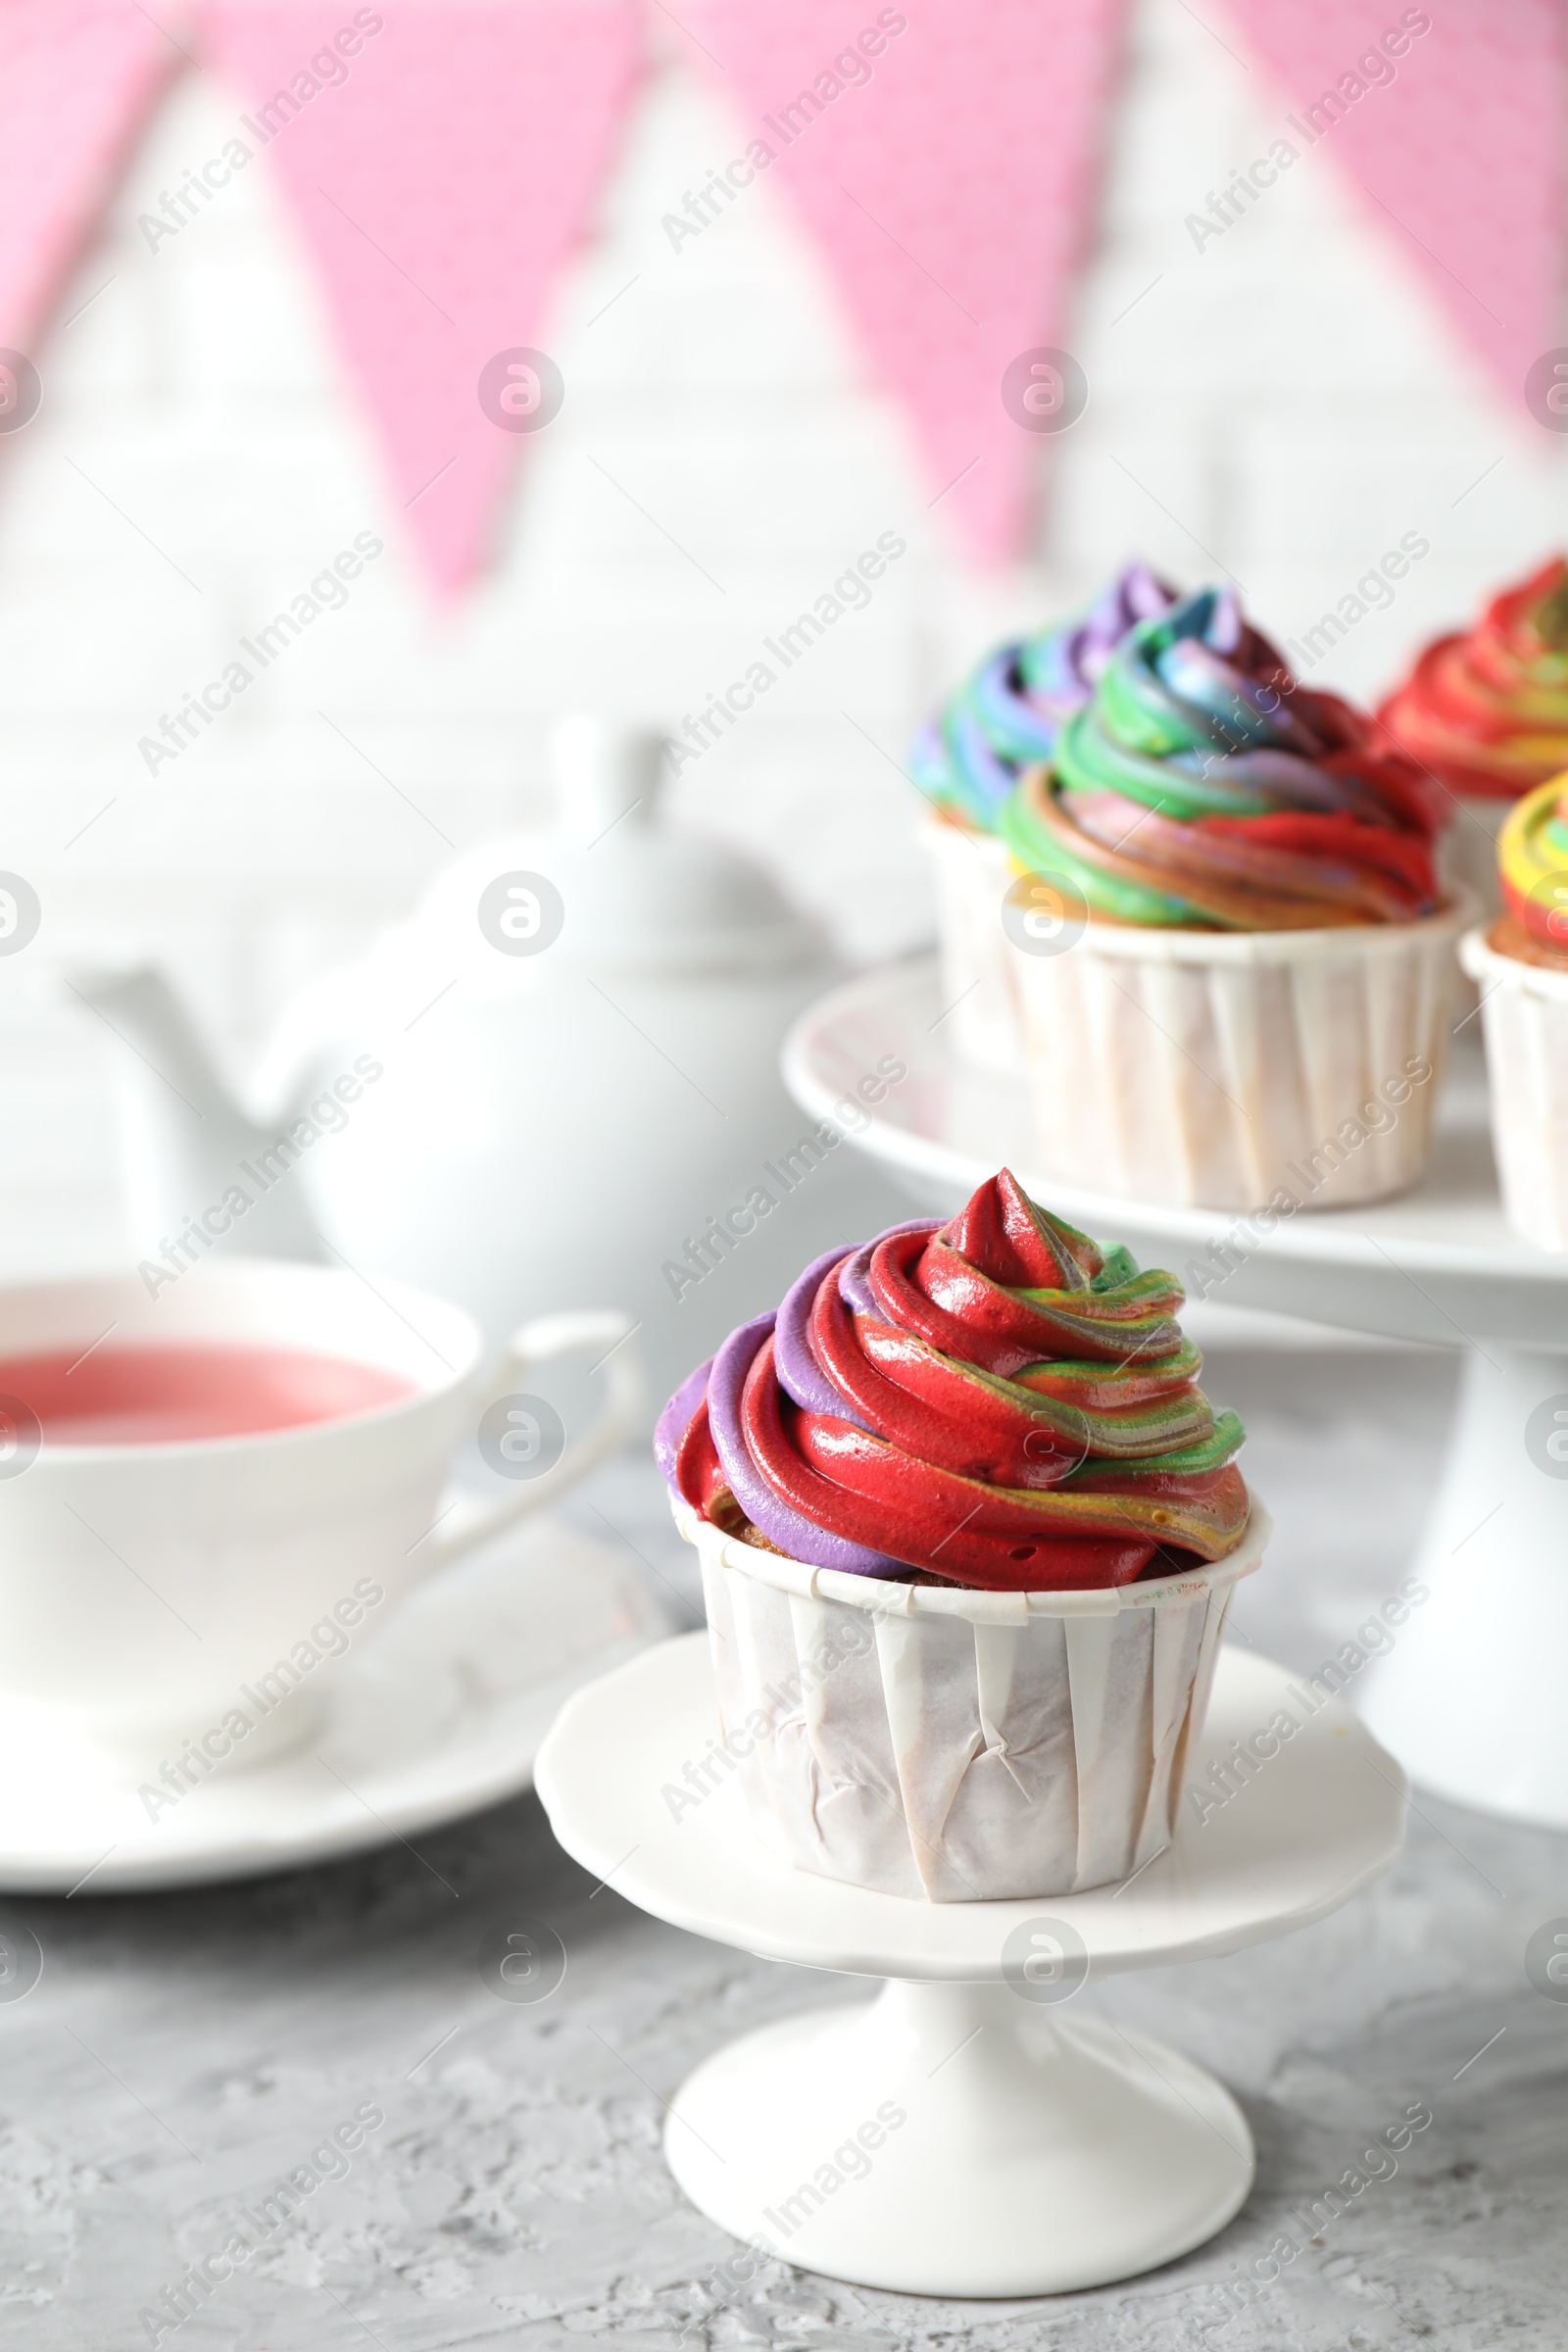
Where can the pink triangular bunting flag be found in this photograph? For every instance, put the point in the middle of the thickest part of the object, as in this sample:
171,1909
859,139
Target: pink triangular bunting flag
444,170
942,157
1452,120
77,81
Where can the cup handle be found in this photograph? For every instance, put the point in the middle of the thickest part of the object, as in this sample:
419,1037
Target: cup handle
465,1524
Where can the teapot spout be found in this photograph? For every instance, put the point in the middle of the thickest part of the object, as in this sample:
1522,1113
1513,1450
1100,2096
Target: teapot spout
200,1174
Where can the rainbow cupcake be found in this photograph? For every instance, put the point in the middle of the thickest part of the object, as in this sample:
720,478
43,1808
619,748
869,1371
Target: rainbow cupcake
1247,945
968,1529
1485,712
1001,721
1520,963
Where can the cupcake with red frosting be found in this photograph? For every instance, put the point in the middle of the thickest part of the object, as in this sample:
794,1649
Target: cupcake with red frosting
1005,719
1243,942
968,1528
1520,963
1485,712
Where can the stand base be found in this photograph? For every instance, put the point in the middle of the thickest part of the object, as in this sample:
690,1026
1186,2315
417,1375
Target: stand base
1470,1697
961,2139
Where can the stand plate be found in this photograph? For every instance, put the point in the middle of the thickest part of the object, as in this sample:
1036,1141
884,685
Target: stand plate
965,2134
1474,1710
1441,1264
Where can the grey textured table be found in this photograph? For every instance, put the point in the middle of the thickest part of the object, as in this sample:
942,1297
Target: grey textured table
182,2054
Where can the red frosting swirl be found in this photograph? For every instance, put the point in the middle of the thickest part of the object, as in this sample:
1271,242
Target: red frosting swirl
995,1403
1485,711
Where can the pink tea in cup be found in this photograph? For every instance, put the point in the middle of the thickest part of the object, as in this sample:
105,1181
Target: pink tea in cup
138,1396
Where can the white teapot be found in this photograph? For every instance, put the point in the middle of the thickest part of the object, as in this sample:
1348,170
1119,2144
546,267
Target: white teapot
556,1084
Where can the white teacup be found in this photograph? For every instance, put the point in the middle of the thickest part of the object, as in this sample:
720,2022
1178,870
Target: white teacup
153,1593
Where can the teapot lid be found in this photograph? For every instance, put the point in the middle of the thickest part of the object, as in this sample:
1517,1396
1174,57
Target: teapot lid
631,892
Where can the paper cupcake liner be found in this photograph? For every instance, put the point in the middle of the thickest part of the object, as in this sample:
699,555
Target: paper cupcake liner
1213,1069
953,1746
1524,1012
972,874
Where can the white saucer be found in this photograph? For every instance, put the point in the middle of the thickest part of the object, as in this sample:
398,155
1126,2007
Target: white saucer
440,1715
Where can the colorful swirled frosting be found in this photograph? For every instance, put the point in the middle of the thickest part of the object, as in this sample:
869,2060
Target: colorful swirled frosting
1009,713
1487,711
1533,869
1203,786
995,1403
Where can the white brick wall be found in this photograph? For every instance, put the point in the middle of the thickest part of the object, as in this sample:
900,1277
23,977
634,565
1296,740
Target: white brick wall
1285,404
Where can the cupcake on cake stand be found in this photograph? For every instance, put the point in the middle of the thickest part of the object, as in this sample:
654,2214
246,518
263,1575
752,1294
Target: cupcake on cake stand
964,1721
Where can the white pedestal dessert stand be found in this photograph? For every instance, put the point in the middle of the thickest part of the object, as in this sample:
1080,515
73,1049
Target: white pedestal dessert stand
967,2132
1470,1700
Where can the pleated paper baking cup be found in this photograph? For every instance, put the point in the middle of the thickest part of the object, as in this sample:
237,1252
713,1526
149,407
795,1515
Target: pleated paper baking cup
972,875
1213,1069
952,1746
1524,1012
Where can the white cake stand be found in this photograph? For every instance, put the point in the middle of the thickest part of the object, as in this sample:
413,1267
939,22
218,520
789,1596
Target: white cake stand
1471,1698
966,2132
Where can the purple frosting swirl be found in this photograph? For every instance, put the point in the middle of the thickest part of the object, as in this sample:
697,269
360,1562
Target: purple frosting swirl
782,1526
